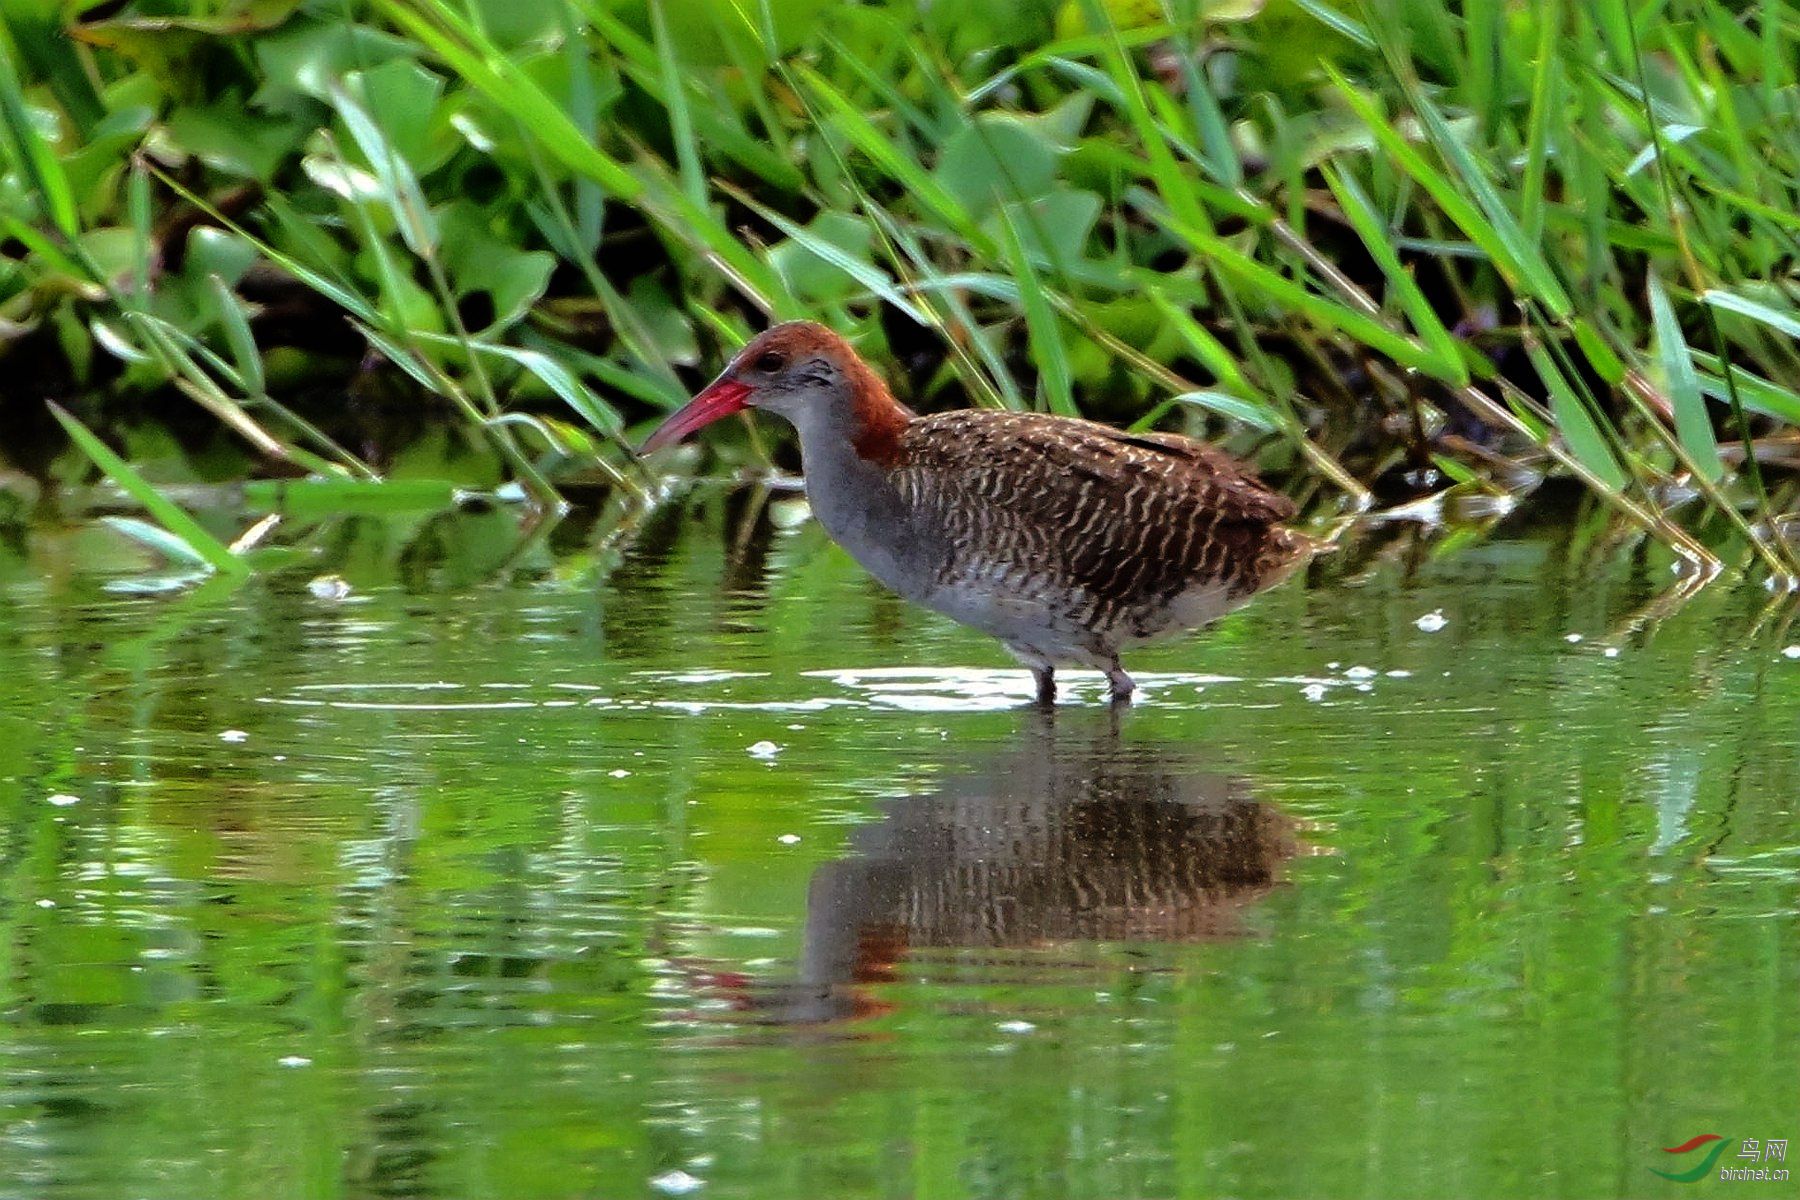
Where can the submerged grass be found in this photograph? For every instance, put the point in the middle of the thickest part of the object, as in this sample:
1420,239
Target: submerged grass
1402,247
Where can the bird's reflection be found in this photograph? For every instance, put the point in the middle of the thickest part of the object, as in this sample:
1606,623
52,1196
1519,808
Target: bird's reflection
1058,839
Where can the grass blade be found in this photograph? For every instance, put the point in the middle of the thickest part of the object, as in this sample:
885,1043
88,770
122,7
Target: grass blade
1693,425
489,70
1211,352
1424,318
675,99
237,334
399,186
1758,394
1488,225
1255,415
1546,87
1047,349
203,546
1164,169
1285,292
159,540
1782,322
36,157
1583,437
899,165
869,276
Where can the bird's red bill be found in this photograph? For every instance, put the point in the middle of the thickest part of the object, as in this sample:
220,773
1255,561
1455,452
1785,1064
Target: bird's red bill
721,398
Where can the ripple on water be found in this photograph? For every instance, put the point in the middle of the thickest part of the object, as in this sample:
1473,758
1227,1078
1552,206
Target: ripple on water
906,689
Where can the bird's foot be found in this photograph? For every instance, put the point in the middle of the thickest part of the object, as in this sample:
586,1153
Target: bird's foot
1119,683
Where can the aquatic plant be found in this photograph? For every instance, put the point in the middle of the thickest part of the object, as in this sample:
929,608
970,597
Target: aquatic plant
1404,248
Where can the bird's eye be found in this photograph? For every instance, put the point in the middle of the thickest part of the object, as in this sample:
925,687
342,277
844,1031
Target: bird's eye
772,360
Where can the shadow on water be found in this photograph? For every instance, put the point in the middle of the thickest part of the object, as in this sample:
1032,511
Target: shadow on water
1061,837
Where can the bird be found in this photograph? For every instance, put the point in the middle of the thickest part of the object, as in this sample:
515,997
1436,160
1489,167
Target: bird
1068,540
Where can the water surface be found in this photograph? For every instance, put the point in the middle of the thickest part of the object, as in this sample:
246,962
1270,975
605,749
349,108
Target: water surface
694,864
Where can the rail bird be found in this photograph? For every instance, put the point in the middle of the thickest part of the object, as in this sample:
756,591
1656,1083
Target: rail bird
1068,540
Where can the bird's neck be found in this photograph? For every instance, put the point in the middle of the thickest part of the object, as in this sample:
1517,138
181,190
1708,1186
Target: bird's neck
849,459
856,438
877,419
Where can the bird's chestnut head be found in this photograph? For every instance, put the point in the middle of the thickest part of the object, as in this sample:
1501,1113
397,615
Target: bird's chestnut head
798,370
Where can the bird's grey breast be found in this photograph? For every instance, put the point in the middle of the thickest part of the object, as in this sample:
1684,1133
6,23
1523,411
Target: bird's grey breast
859,505
997,568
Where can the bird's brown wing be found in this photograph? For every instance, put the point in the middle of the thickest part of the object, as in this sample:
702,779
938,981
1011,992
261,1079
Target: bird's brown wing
1129,517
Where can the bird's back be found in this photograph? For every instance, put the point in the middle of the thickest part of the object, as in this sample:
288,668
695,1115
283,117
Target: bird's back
1120,524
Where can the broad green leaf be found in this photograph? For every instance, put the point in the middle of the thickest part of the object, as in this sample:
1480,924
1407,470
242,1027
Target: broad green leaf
406,99
478,262
230,138
307,56
1054,229
994,159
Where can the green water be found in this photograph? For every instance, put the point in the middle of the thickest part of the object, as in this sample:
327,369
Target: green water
691,863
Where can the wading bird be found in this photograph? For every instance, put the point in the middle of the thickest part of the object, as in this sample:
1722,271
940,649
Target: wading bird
1067,540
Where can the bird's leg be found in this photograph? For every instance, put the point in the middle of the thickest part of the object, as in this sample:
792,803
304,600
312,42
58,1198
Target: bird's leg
1120,683
1046,684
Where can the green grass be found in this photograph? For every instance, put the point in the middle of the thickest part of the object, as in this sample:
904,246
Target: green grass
1383,242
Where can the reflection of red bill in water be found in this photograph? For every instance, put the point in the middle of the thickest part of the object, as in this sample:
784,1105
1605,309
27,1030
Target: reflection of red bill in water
1694,1143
